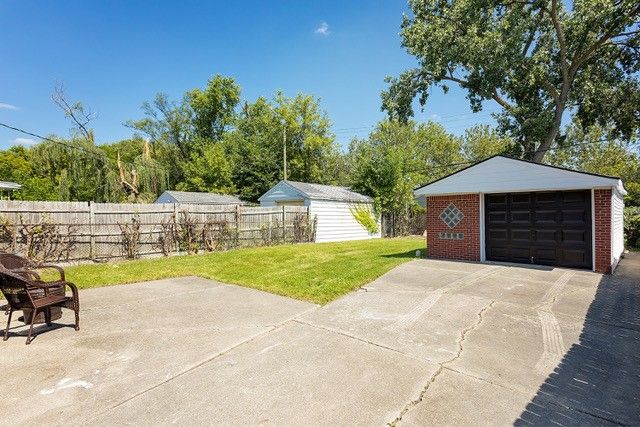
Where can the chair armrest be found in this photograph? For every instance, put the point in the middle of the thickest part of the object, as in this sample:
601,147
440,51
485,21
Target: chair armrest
27,272
55,267
41,284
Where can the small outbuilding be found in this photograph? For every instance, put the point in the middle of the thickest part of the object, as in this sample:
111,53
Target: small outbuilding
198,198
7,188
332,206
511,210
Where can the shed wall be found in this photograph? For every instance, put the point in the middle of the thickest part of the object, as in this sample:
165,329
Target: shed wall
336,223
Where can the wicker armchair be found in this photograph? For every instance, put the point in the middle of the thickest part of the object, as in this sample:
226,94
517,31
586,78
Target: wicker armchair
24,290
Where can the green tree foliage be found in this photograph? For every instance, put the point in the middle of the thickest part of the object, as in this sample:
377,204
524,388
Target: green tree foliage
77,170
214,108
399,156
591,151
482,141
208,171
535,58
256,145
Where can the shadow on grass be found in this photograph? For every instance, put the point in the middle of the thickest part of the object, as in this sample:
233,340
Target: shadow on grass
598,380
407,255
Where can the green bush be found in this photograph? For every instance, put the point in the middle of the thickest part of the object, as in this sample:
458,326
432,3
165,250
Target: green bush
632,227
365,217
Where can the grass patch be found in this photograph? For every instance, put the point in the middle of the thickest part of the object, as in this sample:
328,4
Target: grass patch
316,272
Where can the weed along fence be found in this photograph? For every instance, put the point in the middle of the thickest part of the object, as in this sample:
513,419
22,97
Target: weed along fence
75,231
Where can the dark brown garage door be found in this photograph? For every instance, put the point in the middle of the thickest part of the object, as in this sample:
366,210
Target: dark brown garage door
548,228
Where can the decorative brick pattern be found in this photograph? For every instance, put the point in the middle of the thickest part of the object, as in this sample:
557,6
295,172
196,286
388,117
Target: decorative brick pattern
602,218
468,247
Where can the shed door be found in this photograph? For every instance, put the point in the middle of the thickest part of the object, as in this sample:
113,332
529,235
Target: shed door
548,228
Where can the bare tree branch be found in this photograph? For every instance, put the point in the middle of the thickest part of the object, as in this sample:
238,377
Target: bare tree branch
76,112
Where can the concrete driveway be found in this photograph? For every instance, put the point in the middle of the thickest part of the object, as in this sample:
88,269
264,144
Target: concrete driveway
431,342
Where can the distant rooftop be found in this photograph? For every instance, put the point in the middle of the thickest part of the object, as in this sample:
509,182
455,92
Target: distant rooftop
328,192
6,185
198,198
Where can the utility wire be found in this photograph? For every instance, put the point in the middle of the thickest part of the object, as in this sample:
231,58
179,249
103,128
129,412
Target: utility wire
71,146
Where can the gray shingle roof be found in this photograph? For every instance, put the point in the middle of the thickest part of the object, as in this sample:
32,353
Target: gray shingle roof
328,192
6,185
203,198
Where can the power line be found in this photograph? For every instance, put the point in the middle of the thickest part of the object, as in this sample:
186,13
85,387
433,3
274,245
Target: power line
71,146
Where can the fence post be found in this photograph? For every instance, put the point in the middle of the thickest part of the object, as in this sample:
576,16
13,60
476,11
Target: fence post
237,236
284,224
92,234
175,222
309,225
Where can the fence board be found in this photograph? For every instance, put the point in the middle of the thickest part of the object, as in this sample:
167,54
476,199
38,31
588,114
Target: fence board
94,230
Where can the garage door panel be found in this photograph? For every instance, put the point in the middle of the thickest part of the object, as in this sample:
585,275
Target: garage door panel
575,216
545,216
574,237
551,228
546,236
546,256
500,234
497,217
545,198
521,235
574,257
520,253
520,217
498,253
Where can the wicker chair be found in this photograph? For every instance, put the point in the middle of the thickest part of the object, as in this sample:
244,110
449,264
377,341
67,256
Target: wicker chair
23,290
18,263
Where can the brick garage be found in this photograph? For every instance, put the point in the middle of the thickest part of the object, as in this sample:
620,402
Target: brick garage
509,210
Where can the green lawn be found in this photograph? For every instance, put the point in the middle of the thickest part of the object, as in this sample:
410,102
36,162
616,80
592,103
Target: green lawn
317,272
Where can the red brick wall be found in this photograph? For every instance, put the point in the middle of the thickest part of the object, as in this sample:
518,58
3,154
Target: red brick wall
466,249
602,218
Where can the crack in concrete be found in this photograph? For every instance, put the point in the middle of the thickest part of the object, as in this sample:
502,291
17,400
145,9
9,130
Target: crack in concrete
340,332
443,365
224,351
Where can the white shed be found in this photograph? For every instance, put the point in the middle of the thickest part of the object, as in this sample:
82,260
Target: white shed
331,205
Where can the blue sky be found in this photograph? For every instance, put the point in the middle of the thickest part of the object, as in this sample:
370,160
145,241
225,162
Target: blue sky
114,55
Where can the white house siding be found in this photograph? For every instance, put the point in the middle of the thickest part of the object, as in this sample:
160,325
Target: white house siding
617,228
336,223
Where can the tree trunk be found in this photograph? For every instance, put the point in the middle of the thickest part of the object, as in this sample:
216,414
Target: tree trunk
553,132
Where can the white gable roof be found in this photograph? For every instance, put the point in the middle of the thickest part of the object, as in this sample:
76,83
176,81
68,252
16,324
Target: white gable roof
500,174
292,190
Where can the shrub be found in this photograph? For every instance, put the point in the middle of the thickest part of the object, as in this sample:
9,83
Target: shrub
365,217
632,226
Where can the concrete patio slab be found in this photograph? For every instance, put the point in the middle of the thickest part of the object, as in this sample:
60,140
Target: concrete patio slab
166,328
429,343
295,375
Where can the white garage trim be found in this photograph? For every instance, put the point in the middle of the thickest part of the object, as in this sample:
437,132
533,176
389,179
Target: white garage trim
483,251
593,230
500,174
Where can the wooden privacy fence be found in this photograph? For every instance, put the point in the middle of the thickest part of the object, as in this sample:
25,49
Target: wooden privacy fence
74,231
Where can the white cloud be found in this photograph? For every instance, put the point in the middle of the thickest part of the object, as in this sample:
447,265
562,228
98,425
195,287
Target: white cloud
22,141
4,106
323,29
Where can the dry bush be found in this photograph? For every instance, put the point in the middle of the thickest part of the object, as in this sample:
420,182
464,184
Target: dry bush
131,238
188,233
168,236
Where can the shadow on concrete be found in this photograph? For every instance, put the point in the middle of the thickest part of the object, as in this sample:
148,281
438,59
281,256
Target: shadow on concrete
598,380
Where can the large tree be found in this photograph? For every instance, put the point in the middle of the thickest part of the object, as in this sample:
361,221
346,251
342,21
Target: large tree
537,59
398,156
